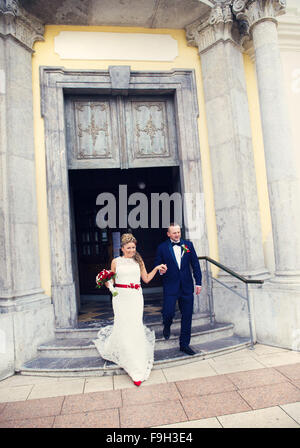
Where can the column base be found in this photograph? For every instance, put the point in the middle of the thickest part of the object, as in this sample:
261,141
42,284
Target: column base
277,314
13,301
25,322
287,278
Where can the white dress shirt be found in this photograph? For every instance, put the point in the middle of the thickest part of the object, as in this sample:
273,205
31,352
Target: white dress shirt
177,253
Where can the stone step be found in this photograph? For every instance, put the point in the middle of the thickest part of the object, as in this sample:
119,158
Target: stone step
89,331
96,366
173,357
83,347
200,335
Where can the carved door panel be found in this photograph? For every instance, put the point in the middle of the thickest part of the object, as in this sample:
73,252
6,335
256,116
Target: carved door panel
120,132
151,133
92,133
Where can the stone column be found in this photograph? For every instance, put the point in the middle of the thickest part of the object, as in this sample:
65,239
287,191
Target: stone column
283,179
230,142
26,315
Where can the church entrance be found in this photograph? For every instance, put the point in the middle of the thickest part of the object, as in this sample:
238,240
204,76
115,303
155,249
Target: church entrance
94,246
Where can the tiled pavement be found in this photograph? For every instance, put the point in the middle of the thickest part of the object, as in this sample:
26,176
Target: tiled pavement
248,388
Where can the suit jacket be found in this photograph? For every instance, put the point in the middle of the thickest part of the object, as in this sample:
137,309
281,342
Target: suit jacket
179,281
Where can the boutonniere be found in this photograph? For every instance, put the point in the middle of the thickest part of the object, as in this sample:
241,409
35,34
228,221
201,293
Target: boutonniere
186,250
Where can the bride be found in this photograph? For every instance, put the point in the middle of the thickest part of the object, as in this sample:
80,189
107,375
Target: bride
128,343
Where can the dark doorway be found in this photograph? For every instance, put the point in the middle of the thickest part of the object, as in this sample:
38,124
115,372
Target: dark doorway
95,247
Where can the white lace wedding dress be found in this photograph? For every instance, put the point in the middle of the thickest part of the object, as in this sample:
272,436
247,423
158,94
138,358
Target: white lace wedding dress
128,342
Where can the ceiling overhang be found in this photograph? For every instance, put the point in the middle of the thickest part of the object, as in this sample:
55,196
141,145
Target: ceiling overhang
130,13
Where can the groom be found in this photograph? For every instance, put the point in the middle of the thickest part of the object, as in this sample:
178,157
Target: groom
179,256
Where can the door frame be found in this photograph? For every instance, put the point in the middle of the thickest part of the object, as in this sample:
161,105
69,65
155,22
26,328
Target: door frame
55,82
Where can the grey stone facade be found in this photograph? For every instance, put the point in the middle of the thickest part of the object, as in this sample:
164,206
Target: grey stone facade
26,313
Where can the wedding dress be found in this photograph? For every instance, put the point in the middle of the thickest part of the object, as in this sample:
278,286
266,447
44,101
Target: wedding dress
128,342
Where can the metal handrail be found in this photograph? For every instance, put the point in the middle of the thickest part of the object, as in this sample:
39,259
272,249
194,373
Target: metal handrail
239,277
234,274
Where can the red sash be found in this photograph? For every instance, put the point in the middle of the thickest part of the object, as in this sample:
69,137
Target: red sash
131,285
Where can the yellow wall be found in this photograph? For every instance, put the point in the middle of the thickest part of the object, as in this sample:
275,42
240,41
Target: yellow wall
187,58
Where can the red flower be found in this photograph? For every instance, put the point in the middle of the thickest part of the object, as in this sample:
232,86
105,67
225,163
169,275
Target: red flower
185,248
103,277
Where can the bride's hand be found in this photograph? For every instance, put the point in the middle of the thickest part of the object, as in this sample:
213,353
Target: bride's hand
162,268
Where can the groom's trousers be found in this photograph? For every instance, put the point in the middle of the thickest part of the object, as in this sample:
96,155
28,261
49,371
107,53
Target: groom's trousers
185,304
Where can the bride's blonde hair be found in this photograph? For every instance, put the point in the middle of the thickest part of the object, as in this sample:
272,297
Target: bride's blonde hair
129,238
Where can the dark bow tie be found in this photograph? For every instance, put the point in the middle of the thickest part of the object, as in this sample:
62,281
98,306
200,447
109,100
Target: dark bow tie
175,244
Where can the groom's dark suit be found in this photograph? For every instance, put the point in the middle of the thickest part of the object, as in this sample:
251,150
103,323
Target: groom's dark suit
178,285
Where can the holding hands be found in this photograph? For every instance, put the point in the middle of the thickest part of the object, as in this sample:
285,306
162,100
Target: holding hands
162,268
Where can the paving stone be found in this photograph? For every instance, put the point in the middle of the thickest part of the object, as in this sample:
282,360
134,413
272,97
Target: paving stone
189,371
270,395
296,383
203,423
98,384
153,414
226,366
17,393
213,405
291,371
205,386
108,418
43,422
293,410
273,417
26,380
32,408
150,394
259,377
262,350
279,359
95,401
58,388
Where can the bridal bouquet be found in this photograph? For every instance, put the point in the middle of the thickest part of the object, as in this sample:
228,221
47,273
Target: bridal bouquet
106,276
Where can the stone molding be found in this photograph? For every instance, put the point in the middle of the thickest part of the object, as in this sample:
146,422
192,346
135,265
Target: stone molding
250,12
233,20
218,26
15,21
289,30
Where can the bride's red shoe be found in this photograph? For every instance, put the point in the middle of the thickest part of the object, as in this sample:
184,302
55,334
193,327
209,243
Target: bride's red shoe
137,383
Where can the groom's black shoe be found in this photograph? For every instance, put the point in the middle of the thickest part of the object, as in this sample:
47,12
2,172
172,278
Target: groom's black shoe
166,332
187,350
